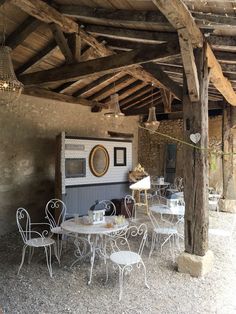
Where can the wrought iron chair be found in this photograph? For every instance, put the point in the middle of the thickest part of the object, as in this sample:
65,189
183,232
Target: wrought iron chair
123,257
34,239
130,207
109,206
55,211
169,230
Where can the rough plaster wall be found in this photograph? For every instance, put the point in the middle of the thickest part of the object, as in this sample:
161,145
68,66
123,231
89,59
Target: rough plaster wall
152,148
27,155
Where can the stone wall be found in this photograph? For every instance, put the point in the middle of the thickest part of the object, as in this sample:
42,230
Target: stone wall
152,148
27,155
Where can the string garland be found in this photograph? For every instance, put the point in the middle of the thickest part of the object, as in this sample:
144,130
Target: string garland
208,150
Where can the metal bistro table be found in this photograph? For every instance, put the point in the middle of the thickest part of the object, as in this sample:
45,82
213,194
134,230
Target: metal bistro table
160,187
94,238
166,210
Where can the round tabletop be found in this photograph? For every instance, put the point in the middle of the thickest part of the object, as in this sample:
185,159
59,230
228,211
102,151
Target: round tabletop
79,226
166,210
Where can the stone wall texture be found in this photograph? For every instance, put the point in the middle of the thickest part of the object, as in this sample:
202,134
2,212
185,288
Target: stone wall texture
152,149
27,155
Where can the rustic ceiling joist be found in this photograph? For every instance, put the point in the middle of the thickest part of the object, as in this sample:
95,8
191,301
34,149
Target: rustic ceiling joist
179,16
62,42
148,94
138,93
22,32
112,88
167,99
151,37
127,18
37,58
102,65
44,93
158,73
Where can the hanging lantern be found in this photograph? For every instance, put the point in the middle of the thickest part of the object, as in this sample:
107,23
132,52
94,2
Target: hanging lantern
10,87
152,124
114,107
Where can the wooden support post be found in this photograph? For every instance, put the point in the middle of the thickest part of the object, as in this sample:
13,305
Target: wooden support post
196,260
196,162
229,160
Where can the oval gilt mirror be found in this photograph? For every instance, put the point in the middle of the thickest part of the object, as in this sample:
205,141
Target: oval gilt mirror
99,160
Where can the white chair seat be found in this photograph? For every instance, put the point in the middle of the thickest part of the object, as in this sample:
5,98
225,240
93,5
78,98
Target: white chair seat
125,258
166,231
39,242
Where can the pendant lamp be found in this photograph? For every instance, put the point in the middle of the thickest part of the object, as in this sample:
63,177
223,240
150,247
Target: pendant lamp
114,107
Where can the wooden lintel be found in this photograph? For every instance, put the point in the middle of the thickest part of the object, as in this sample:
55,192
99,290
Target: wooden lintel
190,69
62,42
44,93
103,65
180,18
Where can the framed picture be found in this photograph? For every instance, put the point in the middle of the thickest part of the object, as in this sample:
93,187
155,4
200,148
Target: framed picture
119,156
75,167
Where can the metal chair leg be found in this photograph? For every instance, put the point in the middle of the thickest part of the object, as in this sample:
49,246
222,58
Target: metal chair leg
49,259
145,275
22,258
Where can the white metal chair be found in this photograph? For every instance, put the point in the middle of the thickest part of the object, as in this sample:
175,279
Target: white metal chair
169,231
123,257
34,239
109,206
55,211
130,207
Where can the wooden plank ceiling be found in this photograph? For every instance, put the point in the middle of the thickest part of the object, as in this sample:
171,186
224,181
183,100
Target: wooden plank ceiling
81,52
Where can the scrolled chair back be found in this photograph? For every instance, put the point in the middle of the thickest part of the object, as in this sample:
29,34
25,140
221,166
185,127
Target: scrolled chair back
109,206
121,240
130,209
58,206
23,223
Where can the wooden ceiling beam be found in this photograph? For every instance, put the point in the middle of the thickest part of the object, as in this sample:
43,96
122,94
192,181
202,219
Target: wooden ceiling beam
22,32
61,42
141,98
132,35
94,84
74,43
138,93
152,37
180,17
46,94
38,57
167,99
104,65
127,18
128,90
112,88
169,84
44,12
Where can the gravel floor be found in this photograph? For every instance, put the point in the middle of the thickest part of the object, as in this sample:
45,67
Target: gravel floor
33,291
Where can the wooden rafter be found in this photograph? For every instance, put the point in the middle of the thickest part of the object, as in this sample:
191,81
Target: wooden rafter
153,37
22,32
62,42
48,14
44,93
38,57
179,16
104,65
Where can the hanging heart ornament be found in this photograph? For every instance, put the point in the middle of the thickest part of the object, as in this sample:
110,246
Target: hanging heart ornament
195,138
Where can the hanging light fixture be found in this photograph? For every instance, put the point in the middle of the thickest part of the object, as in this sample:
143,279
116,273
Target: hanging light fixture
114,106
152,124
10,87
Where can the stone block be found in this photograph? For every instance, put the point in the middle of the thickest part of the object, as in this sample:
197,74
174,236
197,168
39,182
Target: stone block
195,265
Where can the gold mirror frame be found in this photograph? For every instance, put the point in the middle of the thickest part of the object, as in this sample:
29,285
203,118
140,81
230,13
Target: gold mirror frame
93,164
